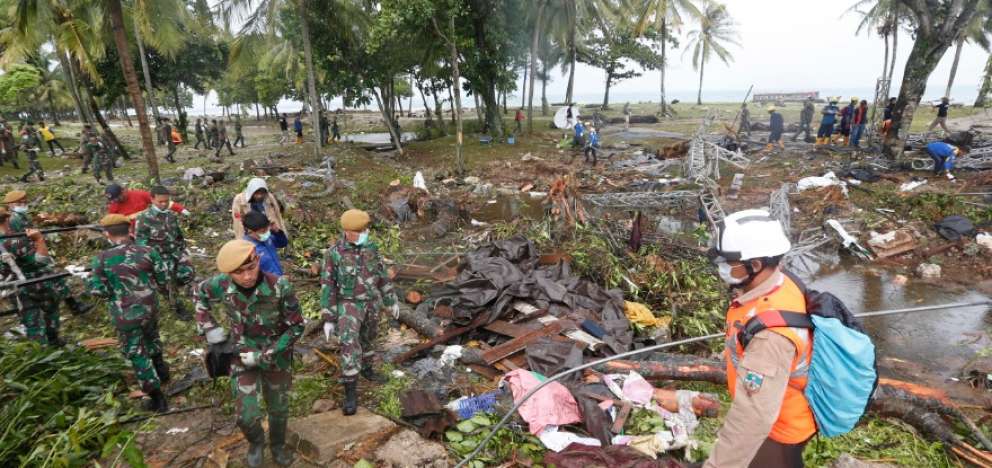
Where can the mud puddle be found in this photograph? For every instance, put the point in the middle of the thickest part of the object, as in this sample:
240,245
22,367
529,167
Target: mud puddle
508,208
934,345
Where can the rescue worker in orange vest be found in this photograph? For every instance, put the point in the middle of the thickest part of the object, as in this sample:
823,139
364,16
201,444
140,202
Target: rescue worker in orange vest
770,420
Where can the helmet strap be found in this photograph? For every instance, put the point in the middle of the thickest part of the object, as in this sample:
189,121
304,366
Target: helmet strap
751,274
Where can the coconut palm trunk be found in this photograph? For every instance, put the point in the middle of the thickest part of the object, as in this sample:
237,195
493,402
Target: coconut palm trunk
572,56
699,94
661,69
72,85
144,70
533,66
116,13
983,93
312,80
954,66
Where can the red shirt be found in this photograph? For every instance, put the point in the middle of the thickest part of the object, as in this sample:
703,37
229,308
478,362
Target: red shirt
136,201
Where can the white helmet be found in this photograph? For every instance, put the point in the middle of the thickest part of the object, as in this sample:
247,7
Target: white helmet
751,234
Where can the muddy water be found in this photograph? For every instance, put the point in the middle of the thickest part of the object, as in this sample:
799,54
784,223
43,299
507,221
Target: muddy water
933,345
376,138
508,208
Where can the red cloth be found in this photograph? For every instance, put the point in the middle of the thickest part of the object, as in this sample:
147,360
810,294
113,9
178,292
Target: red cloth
860,115
136,201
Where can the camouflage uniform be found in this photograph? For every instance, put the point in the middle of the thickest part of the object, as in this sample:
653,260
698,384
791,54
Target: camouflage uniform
9,147
38,302
31,145
354,287
199,136
125,275
212,135
161,230
222,141
267,321
238,135
101,160
19,222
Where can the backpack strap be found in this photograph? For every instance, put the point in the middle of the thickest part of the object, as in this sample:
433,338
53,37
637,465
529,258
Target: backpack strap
772,319
795,279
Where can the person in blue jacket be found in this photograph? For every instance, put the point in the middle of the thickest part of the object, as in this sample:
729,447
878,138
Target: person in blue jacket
943,155
829,113
267,238
592,144
577,138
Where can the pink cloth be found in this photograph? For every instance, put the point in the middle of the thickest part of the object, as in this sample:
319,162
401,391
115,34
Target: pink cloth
551,405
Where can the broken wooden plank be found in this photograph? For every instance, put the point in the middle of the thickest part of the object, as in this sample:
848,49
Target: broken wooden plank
518,344
485,371
621,419
505,328
99,343
442,338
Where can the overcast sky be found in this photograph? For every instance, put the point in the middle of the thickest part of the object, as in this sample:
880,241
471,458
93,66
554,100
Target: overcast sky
785,45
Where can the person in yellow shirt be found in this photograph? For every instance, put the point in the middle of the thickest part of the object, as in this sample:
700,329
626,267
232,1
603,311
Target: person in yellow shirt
49,136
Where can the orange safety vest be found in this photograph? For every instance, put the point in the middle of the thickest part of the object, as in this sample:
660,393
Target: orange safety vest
795,422
177,138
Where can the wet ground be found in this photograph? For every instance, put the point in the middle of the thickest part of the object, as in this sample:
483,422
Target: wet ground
376,138
936,346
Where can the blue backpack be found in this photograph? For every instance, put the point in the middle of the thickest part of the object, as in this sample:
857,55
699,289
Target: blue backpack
842,372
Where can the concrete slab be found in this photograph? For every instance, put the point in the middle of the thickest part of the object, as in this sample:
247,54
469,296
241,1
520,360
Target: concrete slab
320,437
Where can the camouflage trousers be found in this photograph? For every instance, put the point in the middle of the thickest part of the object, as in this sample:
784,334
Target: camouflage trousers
358,328
140,345
180,268
249,385
103,166
39,314
34,166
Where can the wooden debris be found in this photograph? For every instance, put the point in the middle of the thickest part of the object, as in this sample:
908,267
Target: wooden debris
99,343
442,338
518,344
622,414
735,186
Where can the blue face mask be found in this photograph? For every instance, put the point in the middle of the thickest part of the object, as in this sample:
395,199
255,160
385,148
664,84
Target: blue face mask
363,238
264,237
159,210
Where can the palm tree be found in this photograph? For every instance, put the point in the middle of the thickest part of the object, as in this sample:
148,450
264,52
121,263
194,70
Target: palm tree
716,29
666,15
262,18
884,16
973,32
538,20
983,92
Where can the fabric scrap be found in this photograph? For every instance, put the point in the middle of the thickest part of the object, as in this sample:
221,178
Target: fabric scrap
557,440
616,456
553,404
641,315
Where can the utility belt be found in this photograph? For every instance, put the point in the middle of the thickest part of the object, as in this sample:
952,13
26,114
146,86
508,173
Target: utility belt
353,298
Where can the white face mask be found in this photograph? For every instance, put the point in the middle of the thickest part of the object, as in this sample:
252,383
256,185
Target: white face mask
21,209
263,237
723,269
159,210
362,238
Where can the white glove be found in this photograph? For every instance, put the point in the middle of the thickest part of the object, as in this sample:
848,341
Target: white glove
248,360
185,212
216,335
328,330
395,309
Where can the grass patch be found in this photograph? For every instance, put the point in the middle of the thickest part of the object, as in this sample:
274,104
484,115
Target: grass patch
387,396
306,390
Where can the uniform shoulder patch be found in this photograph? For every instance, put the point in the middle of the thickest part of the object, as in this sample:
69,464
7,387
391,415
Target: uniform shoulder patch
753,382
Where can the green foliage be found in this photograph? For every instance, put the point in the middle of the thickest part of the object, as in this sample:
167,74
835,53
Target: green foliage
467,435
387,396
876,439
17,83
306,390
57,407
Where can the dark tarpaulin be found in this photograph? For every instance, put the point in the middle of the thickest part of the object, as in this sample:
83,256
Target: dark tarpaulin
614,456
492,277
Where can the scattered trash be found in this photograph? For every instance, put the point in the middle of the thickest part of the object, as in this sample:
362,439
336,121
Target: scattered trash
419,182
891,243
827,180
912,185
928,271
397,374
466,407
193,173
954,227
529,157
849,242
641,315
476,223
78,271
472,180
984,240
557,440
551,405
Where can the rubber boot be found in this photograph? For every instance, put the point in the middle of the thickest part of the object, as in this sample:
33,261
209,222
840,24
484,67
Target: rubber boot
350,405
281,454
256,446
157,402
162,369
53,338
368,373
182,312
76,307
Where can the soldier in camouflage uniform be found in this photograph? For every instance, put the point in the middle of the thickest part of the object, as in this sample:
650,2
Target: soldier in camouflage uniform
17,204
238,135
158,227
126,275
354,285
170,144
266,321
8,147
212,134
199,135
101,159
222,140
84,140
38,303
31,144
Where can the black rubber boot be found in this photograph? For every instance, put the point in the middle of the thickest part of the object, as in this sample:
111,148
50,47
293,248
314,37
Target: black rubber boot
162,369
350,405
368,373
256,446
281,454
76,307
157,402
53,339
182,312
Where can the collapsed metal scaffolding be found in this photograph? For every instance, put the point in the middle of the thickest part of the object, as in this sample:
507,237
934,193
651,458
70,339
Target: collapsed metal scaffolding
640,200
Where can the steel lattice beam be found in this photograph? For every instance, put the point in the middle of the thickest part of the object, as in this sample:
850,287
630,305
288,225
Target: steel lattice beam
640,200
